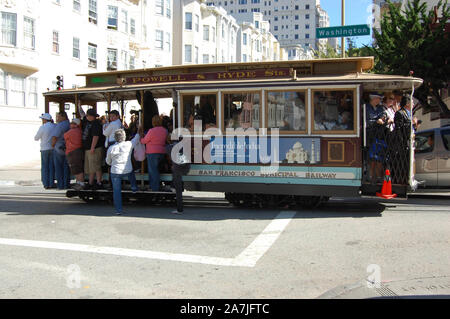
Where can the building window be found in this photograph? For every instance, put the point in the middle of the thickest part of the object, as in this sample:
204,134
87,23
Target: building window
296,37
93,11
55,42
307,6
244,58
9,28
32,92
196,55
124,58
168,9
113,13
197,23
132,26
307,26
28,33
132,62
188,21
168,41
159,7
307,36
223,31
112,60
306,16
76,48
76,5
17,93
205,58
206,32
144,31
124,22
296,17
244,38
3,99
92,55
187,53
213,34
159,39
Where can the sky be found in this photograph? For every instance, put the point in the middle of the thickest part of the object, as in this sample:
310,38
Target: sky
356,12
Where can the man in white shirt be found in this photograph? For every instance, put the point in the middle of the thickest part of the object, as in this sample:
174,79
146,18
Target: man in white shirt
109,128
44,134
118,157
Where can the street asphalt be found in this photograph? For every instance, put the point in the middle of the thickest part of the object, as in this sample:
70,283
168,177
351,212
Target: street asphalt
55,247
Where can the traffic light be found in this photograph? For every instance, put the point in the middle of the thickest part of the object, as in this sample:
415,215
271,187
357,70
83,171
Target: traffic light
59,82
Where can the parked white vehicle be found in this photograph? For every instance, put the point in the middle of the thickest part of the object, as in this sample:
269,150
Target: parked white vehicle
432,156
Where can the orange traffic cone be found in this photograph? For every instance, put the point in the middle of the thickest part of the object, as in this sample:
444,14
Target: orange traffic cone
386,190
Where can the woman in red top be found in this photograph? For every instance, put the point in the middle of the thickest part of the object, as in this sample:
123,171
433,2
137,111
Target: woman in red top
154,141
74,152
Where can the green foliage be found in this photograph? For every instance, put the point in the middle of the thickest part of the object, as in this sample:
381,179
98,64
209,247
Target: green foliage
326,51
412,40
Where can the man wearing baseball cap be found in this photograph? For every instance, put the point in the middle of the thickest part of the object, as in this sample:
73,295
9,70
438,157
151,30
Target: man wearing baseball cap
75,152
44,134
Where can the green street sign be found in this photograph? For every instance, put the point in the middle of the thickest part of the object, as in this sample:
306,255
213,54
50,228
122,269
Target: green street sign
343,31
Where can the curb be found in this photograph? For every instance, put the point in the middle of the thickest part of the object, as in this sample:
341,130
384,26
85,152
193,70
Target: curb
19,183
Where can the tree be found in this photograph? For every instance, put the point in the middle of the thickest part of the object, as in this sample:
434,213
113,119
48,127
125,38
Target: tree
326,51
415,39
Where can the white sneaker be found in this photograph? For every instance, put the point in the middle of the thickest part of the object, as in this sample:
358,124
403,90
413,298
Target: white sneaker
176,212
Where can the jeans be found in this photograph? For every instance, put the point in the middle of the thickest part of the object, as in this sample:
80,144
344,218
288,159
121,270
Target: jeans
62,170
116,180
47,169
153,161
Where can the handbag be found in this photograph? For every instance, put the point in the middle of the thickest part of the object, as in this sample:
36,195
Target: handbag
139,152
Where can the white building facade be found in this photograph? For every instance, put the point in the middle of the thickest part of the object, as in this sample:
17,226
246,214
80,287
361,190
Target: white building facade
203,34
292,21
42,39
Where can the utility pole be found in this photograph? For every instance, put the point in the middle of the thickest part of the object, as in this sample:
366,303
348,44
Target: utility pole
343,24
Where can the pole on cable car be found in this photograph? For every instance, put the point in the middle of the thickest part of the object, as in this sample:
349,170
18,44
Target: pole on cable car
141,124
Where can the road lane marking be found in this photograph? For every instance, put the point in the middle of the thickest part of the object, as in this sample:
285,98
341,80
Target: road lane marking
248,258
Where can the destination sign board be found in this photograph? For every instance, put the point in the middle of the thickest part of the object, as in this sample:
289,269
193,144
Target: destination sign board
211,76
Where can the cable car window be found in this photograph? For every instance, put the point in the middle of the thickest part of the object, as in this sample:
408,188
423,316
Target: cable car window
199,107
241,110
334,111
286,110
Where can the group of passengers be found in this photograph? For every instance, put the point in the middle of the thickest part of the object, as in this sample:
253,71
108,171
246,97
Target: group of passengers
388,133
82,146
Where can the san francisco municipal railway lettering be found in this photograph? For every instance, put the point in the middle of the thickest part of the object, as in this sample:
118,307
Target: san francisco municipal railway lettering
211,76
281,174
321,175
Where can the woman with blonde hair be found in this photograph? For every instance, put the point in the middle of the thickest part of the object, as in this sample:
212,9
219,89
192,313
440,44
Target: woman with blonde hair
154,141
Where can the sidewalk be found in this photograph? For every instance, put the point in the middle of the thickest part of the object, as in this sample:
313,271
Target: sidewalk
26,174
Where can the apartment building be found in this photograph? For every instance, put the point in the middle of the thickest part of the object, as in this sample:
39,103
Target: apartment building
291,21
203,34
255,42
41,39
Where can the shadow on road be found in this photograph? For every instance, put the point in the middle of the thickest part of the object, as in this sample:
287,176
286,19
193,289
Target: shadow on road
205,209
